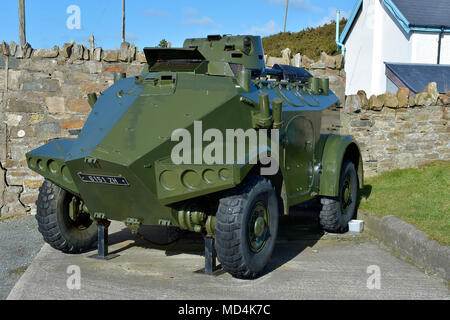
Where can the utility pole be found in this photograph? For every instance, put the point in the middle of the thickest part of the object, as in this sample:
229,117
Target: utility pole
285,16
22,33
123,20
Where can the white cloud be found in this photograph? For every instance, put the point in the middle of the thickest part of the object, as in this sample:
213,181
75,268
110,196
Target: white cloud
331,17
269,28
300,5
204,21
155,13
130,36
190,11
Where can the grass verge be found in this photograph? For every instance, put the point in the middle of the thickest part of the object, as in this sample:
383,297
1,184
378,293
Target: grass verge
418,196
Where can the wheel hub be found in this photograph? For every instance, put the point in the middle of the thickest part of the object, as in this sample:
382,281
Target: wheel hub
258,227
346,199
78,217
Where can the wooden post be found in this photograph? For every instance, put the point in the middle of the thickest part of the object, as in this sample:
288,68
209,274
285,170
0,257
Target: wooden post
22,33
123,20
285,16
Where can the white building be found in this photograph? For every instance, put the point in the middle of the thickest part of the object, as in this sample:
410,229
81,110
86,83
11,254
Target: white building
409,36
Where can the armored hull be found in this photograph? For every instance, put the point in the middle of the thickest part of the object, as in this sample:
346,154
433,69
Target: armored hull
113,164
122,167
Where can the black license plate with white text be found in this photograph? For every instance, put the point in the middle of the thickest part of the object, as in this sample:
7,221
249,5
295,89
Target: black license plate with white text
93,178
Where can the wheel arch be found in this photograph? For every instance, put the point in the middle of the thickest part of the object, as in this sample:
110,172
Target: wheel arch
338,149
255,166
277,181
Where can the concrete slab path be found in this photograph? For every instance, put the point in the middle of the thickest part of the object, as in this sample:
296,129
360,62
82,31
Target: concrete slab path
306,265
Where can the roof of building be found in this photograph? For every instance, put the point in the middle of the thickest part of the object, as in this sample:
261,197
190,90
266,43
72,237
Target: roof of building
411,15
417,76
422,13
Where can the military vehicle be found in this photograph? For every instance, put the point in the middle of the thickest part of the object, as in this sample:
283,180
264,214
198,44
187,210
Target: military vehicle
121,166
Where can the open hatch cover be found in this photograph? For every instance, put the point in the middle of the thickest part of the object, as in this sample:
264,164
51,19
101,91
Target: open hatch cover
154,55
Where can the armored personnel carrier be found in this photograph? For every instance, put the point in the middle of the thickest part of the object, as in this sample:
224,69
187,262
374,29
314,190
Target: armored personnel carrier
153,153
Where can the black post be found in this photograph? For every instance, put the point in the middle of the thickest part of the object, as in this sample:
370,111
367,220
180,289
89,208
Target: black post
123,21
441,35
210,256
102,240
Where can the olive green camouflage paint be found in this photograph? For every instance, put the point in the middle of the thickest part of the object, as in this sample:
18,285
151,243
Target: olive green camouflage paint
126,140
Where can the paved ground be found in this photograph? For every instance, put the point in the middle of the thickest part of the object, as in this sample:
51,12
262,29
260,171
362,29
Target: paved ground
20,241
306,265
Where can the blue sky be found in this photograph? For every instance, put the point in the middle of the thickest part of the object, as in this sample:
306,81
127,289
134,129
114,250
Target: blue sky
149,21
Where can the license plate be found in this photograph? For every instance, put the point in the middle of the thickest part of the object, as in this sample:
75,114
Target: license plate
93,178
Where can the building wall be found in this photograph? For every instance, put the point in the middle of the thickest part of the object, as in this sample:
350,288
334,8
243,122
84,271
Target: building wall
424,47
393,46
375,39
445,49
359,51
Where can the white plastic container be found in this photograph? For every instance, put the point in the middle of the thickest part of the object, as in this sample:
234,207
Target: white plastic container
356,226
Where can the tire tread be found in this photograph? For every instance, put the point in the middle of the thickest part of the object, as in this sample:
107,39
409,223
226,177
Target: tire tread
46,218
228,226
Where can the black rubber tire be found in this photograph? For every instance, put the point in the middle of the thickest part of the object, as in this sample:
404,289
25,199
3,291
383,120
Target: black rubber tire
231,232
332,218
55,224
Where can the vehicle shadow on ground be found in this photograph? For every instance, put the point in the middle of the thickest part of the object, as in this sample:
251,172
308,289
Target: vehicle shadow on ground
150,238
364,193
296,232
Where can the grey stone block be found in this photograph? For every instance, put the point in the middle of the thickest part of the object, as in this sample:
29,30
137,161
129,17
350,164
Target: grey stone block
44,129
15,105
45,85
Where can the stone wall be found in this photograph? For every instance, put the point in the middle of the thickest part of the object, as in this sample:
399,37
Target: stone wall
44,96
397,131
330,67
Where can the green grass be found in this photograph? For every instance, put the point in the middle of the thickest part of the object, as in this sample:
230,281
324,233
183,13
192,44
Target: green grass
418,196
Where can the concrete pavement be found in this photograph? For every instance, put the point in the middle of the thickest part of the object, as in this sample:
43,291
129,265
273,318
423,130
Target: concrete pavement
306,265
20,241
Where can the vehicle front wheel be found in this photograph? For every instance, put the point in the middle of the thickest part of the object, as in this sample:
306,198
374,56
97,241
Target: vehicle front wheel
62,221
336,213
246,228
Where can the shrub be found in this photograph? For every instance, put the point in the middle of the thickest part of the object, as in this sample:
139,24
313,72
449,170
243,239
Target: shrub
310,41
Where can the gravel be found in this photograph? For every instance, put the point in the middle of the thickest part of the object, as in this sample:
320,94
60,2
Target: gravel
20,241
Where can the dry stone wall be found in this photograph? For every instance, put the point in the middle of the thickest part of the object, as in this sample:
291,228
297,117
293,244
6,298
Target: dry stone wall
397,131
43,95
330,67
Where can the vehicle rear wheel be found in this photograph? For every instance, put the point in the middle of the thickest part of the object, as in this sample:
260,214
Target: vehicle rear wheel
246,228
337,212
62,221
